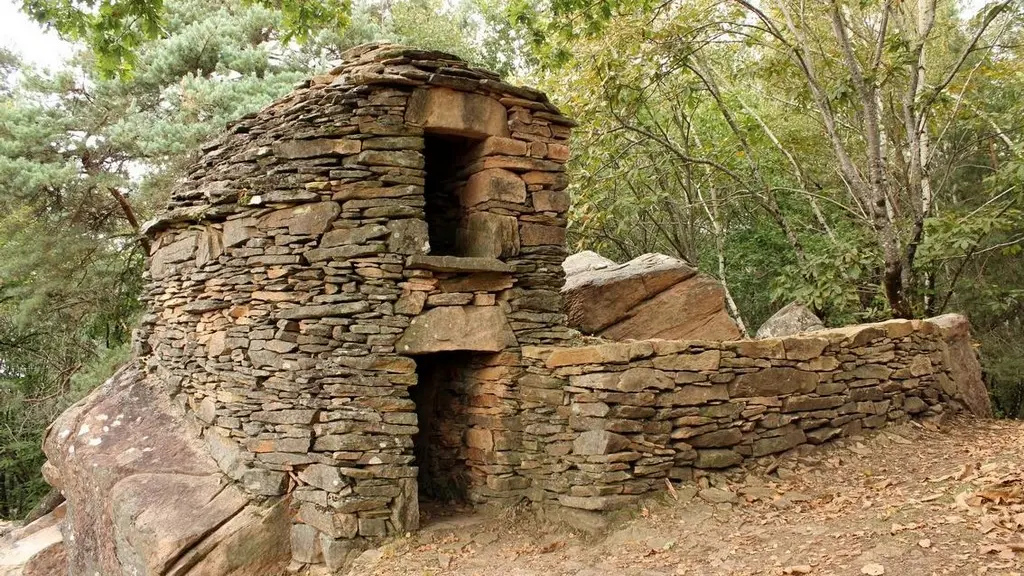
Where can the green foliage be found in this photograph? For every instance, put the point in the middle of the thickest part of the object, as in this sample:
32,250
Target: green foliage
115,30
831,281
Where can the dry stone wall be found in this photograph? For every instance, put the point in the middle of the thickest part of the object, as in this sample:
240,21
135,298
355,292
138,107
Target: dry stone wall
620,418
404,204
354,296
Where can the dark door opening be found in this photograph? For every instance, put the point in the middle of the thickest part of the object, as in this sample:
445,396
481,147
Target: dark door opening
442,404
445,158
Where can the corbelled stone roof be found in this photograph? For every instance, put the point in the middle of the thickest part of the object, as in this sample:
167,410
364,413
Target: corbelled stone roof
323,98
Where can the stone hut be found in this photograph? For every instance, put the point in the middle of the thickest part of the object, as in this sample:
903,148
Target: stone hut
353,303
399,221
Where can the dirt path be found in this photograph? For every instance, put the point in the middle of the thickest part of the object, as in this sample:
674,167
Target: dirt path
906,501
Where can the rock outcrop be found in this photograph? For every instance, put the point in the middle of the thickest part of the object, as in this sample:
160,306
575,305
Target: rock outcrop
651,296
144,496
961,358
36,549
793,318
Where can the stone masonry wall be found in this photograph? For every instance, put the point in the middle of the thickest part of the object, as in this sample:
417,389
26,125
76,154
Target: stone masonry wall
606,423
291,281
299,313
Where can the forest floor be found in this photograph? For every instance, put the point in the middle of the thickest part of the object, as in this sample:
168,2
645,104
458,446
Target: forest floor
910,500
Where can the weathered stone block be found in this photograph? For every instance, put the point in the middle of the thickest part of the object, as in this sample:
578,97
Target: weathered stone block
291,149
305,542
693,395
331,523
914,405
405,508
868,371
707,360
714,459
551,201
264,482
447,111
822,435
717,439
541,235
479,438
765,348
372,527
408,236
601,354
285,416
182,249
479,328
324,477
807,403
790,439
411,303
637,379
804,348
309,219
339,553
357,235
499,146
323,310
493,185
239,231
773,382
595,442
487,235
612,502
210,246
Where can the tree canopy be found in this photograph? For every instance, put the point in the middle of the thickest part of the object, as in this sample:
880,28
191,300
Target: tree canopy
115,30
863,158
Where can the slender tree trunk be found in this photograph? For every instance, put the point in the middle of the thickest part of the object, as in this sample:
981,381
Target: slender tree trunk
771,201
714,216
129,215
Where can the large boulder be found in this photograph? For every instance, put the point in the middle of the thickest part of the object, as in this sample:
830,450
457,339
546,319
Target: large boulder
960,356
793,318
144,496
585,261
651,296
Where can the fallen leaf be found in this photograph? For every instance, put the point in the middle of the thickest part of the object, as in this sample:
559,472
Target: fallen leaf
987,525
992,548
552,547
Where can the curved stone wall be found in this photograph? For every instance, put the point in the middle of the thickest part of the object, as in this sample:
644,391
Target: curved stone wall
354,296
292,280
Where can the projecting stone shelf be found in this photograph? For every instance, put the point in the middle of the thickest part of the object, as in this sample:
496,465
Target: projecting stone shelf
463,264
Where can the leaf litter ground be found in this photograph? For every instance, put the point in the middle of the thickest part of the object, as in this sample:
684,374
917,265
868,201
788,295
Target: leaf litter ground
906,501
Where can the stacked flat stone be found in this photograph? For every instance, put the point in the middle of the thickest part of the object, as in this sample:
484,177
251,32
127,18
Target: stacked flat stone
296,253
623,417
384,244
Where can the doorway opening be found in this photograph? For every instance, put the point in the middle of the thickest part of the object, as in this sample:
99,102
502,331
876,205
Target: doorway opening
446,156
442,408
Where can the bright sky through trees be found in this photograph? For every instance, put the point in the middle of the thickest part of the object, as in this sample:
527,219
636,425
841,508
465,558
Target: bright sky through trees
27,39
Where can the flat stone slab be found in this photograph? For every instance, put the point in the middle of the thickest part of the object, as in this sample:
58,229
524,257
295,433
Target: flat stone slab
451,328
456,264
